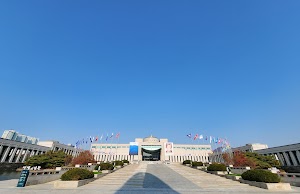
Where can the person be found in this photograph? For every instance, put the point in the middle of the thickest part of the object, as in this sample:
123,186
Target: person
169,148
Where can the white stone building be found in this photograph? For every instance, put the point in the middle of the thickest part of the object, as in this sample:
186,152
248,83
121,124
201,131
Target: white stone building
150,149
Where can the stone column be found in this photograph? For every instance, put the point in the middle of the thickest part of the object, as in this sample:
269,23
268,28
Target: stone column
281,160
286,157
293,158
1,148
298,155
25,156
19,156
12,155
5,154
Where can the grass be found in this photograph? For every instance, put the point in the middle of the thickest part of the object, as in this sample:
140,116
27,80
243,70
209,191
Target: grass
97,172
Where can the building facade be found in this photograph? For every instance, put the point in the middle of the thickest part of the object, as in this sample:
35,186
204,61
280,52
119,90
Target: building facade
15,136
288,155
150,149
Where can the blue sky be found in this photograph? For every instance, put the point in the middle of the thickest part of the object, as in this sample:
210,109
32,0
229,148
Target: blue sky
71,69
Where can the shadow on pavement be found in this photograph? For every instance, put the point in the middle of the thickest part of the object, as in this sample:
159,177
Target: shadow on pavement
150,184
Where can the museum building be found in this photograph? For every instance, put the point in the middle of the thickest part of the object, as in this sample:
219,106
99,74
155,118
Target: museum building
150,149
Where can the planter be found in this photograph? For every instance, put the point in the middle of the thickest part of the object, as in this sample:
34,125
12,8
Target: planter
199,167
106,171
269,186
188,164
235,178
218,172
118,166
71,184
125,164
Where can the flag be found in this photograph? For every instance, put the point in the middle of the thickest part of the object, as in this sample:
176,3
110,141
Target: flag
112,134
101,137
209,139
91,139
118,135
196,136
106,137
189,135
201,137
206,138
96,139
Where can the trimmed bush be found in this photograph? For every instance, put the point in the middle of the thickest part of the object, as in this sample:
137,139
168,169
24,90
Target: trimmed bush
187,162
197,164
106,166
261,176
125,161
96,167
216,167
77,174
118,163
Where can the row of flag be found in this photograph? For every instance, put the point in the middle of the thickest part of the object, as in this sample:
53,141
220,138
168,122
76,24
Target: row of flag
96,139
222,141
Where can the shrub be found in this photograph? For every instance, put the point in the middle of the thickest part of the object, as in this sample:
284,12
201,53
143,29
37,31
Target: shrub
77,174
197,164
106,166
118,163
261,176
96,167
187,162
125,161
216,167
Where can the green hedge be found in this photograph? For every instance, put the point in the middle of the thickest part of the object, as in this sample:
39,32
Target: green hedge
197,164
118,163
77,174
97,167
106,166
261,176
187,162
125,161
216,167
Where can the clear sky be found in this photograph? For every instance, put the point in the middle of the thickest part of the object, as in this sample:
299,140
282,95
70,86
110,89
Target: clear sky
74,69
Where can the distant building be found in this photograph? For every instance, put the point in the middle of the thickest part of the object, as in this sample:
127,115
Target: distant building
15,136
217,155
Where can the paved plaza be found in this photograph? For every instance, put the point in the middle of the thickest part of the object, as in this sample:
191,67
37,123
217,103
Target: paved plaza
148,178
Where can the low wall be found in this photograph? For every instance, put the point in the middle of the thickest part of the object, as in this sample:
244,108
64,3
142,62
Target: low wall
238,170
43,176
10,166
292,178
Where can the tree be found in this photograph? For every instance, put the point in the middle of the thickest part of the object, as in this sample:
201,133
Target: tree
83,158
240,159
228,159
48,160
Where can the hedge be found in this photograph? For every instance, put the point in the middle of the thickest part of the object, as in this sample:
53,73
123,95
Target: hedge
197,164
97,167
77,174
118,163
106,166
259,175
216,167
125,161
187,162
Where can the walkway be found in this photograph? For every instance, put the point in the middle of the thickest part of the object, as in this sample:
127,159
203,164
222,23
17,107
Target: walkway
148,178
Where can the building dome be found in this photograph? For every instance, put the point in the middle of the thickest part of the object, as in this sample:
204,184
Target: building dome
151,139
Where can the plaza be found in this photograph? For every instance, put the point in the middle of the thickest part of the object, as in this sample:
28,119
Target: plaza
148,177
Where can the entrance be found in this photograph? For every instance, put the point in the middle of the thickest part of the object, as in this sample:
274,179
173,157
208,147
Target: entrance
151,153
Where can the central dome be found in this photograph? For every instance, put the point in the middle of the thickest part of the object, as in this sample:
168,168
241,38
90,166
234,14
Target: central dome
151,139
